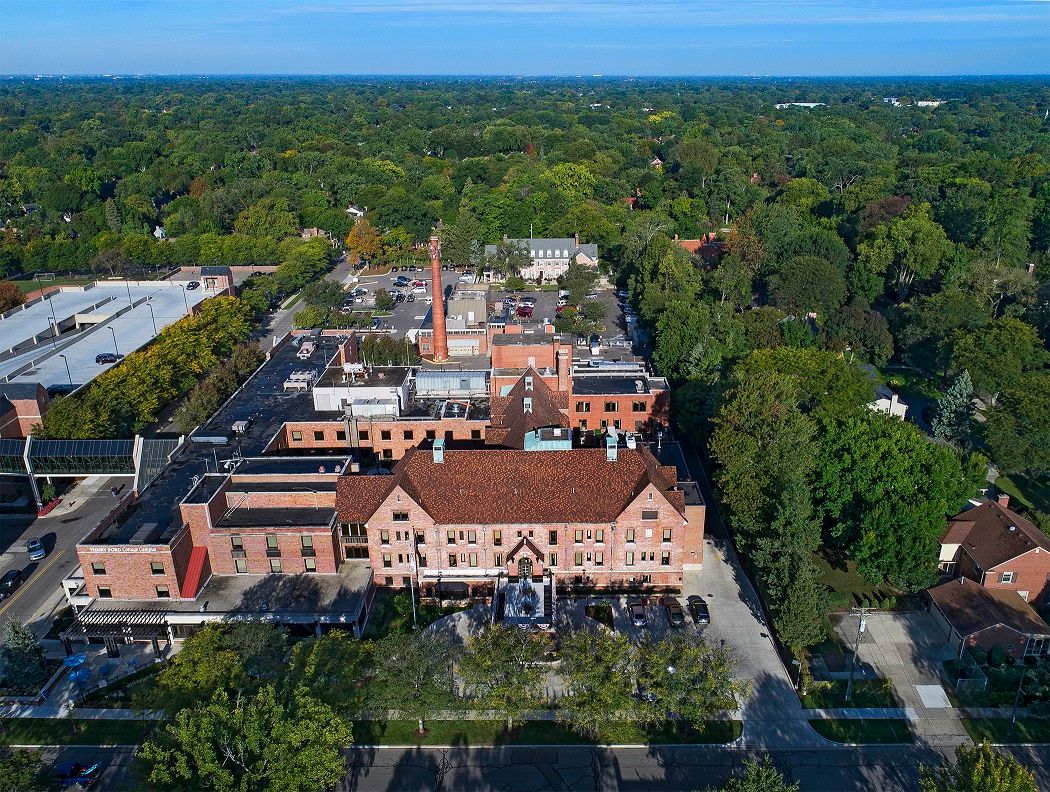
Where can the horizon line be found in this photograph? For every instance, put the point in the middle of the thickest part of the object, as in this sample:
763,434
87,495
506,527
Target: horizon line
516,76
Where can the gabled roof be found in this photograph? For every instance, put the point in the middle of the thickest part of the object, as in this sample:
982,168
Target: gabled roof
513,487
992,534
511,421
970,607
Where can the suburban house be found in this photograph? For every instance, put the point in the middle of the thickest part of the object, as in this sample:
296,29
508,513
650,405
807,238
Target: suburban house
550,258
886,401
994,546
972,615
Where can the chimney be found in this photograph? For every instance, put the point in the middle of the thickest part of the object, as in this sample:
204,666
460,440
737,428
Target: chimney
1004,501
439,451
576,238
438,309
563,370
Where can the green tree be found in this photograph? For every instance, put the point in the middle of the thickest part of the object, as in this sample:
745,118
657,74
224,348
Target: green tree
269,218
1018,426
908,248
324,294
759,776
998,355
597,667
954,416
808,284
25,771
330,669
460,240
979,768
22,659
240,743
414,674
509,258
578,280
684,678
500,668
10,296
384,301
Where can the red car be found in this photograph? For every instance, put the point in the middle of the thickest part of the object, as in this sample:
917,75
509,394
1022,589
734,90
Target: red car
525,311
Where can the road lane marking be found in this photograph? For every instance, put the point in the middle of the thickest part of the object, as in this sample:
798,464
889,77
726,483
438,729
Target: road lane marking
11,600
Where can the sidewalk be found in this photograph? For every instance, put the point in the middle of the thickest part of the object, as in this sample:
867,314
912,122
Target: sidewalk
81,494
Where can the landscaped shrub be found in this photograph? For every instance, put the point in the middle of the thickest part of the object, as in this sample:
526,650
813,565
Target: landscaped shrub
997,657
839,599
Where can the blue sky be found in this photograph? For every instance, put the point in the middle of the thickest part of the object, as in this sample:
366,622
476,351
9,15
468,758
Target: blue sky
560,37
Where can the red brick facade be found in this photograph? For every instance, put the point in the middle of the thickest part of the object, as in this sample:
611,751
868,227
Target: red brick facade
387,439
18,416
628,412
135,572
1027,574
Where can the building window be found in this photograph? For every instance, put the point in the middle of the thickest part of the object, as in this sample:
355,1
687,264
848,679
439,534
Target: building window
630,535
400,516
497,538
340,435
553,538
310,564
162,592
98,568
236,543
450,536
420,537
388,581
408,434
240,566
388,453
604,423
319,436
1007,577
475,434
667,534
387,562
156,568
611,406
307,542
665,558
472,559
271,542
421,560
452,559
275,565
650,514
431,434
297,437
630,559
472,537
579,537
384,537
497,559
599,535
363,434
384,434
583,407
599,559
583,424
577,559
638,406
104,592
616,423
554,559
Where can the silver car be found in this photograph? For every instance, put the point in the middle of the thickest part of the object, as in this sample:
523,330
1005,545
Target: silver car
36,549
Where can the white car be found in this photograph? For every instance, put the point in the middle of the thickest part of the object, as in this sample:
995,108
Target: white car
419,289
467,278
530,301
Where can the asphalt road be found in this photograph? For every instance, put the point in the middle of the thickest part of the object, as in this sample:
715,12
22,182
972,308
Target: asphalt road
36,600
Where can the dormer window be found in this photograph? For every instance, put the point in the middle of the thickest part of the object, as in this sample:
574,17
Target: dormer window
528,383
526,404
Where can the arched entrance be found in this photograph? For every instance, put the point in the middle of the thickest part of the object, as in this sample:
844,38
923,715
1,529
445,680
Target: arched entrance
525,569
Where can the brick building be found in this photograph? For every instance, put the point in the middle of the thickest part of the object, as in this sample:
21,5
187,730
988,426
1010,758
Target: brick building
999,549
973,616
22,406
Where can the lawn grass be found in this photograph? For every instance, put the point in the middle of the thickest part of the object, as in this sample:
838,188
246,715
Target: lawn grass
392,612
1027,491
864,730
905,379
849,587
126,692
488,732
997,730
31,285
73,731
865,693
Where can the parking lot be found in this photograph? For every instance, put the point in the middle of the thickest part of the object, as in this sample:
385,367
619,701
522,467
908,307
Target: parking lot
657,624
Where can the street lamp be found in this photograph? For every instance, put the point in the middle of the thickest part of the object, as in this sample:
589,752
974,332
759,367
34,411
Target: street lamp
184,300
153,316
114,332
67,369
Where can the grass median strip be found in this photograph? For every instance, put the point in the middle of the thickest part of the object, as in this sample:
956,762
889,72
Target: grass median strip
997,730
73,731
864,730
487,732
865,693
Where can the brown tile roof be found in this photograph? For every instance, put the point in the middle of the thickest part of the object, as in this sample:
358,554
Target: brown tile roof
985,534
509,486
510,422
970,608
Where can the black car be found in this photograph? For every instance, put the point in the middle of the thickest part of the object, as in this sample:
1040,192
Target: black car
697,607
11,580
395,269
108,357
193,285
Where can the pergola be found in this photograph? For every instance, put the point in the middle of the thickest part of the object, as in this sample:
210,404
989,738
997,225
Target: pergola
115,627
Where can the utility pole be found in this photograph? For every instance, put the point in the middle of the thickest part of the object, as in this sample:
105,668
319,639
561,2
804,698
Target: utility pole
861,624
1017,700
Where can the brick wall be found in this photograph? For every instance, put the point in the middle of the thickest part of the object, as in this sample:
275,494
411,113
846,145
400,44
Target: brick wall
387,439
255,550
1031,573
1012,641
592,412
541,354
126,569
25,414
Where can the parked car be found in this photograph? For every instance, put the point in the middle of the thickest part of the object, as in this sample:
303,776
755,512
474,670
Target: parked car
697,607
395,269
10,582
36,549
108,357
419,283
637,611
376,324
193,285
410,298
562,302
75,774
419,289
675,614
359,290
529,301
560,308
591,296
525,311
466,278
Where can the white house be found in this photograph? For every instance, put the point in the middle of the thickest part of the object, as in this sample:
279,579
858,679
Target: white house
886,401
550,258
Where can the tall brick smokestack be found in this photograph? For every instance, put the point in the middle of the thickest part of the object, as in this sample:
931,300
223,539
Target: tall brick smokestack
437,311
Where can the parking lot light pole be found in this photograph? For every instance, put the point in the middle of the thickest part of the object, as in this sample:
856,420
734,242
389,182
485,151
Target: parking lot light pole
67,369
114,332
153,316
184,300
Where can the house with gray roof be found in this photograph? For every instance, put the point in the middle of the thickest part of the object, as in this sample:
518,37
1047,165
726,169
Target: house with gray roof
550,258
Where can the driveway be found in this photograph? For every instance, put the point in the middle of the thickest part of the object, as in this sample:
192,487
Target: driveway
907,649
